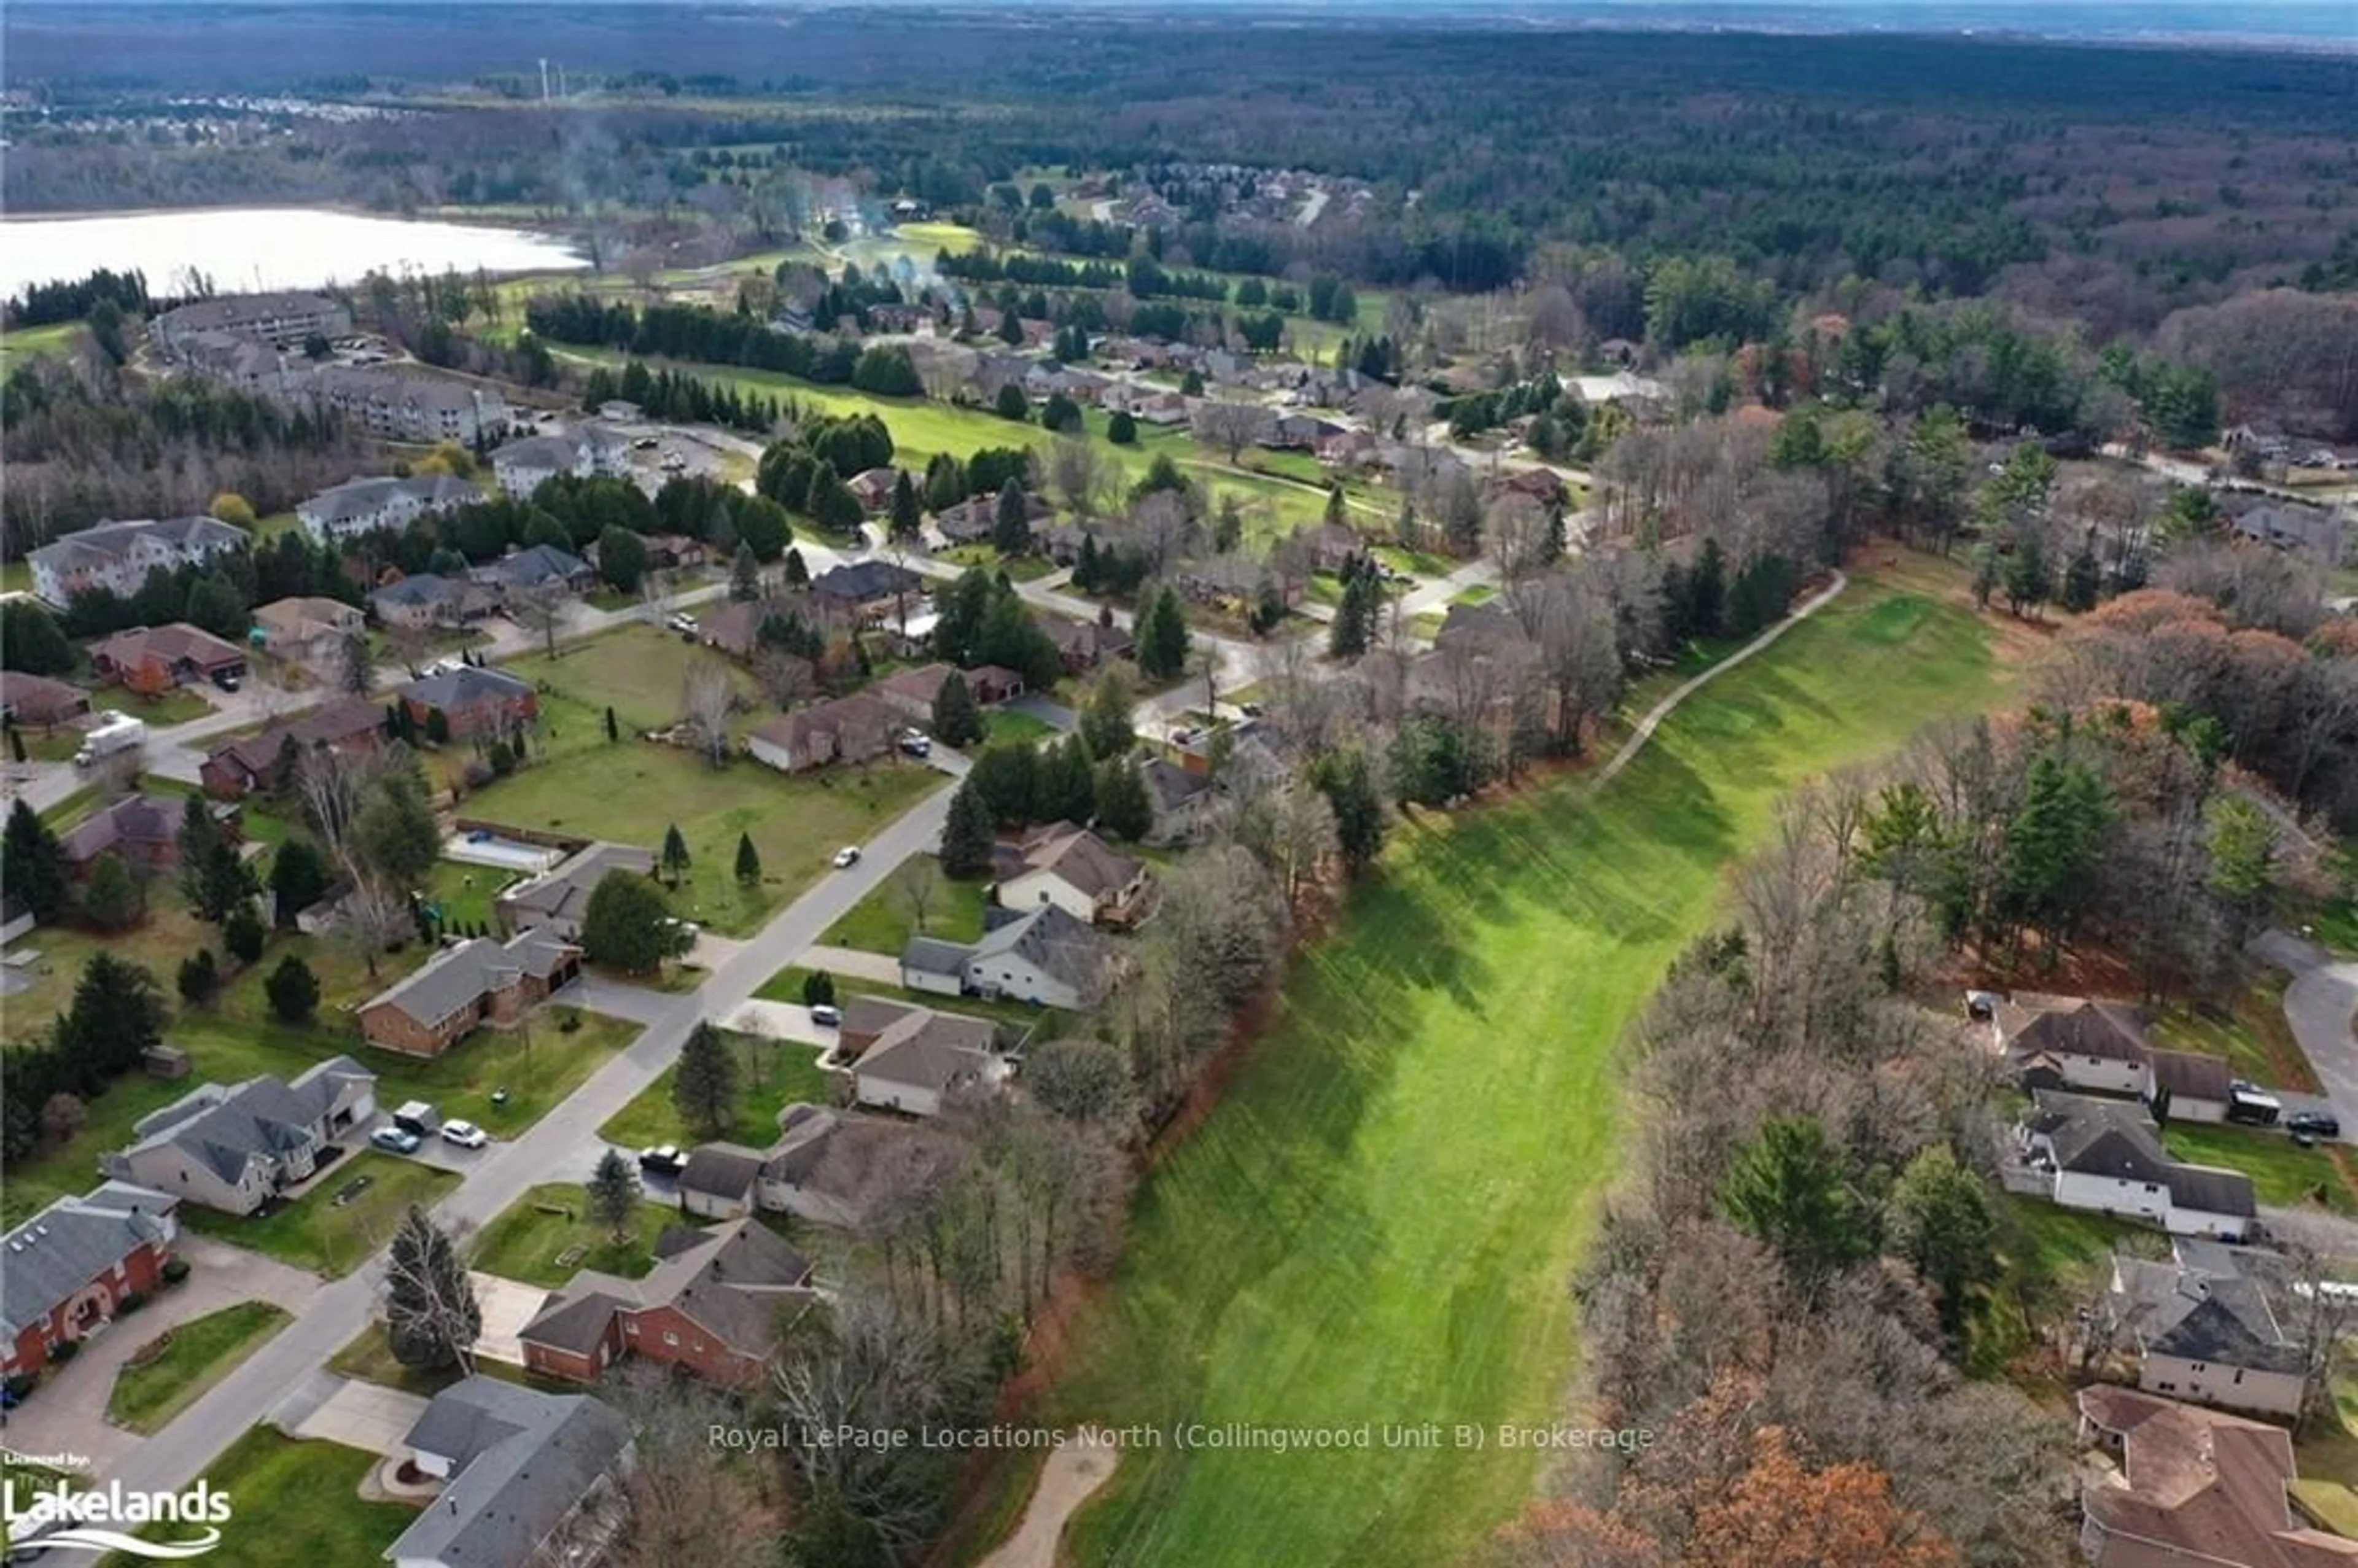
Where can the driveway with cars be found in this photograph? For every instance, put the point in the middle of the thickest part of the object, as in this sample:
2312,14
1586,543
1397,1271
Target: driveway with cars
2319,1005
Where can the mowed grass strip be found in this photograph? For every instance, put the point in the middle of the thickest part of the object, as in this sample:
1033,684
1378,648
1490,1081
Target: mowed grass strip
1378,1222
316,1232
550,1222
168,1374
771,1076
297,1504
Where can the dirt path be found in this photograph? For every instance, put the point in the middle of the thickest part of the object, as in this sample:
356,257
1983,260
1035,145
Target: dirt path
1069,1478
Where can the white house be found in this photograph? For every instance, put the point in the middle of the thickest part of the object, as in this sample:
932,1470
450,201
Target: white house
2106,1157
284,318
586,449
1074,869
2082,1044
2202,1331
233,1148
1042,956
364,505
119,556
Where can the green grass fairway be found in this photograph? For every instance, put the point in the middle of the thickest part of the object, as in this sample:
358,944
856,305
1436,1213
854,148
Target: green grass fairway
1378,1221
526,1240
772,1076
183,1362
297,1504
314,1232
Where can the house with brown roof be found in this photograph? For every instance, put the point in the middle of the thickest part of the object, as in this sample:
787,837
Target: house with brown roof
39,702
910,692
155,659
308,630
873,487
143,830
717,1303
555,901
1074,869
855,729
1083,646
235,769
910,1058
471,983
2181,1486
2082,1043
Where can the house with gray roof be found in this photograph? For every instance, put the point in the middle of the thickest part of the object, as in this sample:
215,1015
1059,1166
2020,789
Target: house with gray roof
584,450
2202,1331
2310,531
535,568
555,901
407,403
829,1166
473,700
2106,1157
527,1478
715,1303
65,1271
910,1059
428,599
1184,801
233,1148
1042,955
284,318
1072,867
365,505
719,1179
118,556
466,985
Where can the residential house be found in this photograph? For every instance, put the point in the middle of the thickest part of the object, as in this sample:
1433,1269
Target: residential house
284,318
234,1147
672,552
235,769
1042,956
620,411
1540,484
119,556
910,692
1329,547
472,701
1485,629
1061,542
1236,583
246,363
2188,1086
828,1167
584,451
427,599
1183,801
39,703
152,660
555,901
974,520
309,630
470,983
1083,646
715,1303
68,1269
2188,1487
143,829
2302,530
1347,449
2202,1331
535,568
2085,1043
404,403
526,1478
867,592
1074,869
719,1181
367,505
855,729
2106,1157
874,487
909,1058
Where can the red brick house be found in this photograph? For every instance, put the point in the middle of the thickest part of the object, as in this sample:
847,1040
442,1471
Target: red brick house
715,1303
461,987
152,660
472,701
68,1269
143,830
38,701
235,769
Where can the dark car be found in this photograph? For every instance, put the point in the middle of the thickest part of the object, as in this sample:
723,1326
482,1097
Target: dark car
662,1161
2317,1123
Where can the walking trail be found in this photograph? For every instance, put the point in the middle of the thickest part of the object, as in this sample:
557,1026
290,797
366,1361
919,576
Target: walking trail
1070,1478
1662,710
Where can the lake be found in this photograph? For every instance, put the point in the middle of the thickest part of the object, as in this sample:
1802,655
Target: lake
244,249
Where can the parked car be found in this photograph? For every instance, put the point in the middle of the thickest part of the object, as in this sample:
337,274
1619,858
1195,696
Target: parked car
465,1134
227,680
394,1141
2317,1123
827,1015
846,855
683,621
664,1160
915,745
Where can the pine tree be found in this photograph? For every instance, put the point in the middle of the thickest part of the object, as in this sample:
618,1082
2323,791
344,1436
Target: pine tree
1011,528
956,720
2082,580
431,1317
1124,809
818,989
116,1015
797,574
745,576
613,1195
200,977
704,1089
1707,592
907,518
1787,1188
1163,643
213,877
1350,785
111,899
1121,430
613,725
293,990
32,866
1353,628
243,932
969,834
676,860
749,862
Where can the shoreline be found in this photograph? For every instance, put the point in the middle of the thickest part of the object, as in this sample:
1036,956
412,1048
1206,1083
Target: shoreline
341,208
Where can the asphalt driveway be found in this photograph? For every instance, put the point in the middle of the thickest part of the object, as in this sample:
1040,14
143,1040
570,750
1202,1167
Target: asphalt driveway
2319,1005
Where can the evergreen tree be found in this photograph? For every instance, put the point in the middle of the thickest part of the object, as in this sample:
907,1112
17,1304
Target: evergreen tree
2052,845
1353,628
749,862
2082,579
1065,786
1164,641
32,866
397,833
116,1018
1942,1222
907,518
745,578
969,834
111,897
200,977
797,574
613,725
1121,430
213,877
958,722
614,1195
1124,809
437,727
945,483
704,1089
1349,785
431,1317
243,934
818,989
1012,404
1787,1189
2026,577
293,990
1105,720
1707,592
676,858
32,641
623,929
1011,528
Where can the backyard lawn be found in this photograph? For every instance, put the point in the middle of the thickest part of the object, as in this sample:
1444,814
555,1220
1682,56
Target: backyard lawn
533,1237
772,1076
319,1233
1377,1221
175,706
2282,1171
297,1504
2254,1036
883,923
639,670
173,1369
1008,725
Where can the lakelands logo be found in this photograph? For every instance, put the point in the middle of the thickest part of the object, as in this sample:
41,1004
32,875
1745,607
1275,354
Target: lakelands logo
101,1519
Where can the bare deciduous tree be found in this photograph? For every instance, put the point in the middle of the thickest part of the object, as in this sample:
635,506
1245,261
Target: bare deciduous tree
707,698
919,884
1229,426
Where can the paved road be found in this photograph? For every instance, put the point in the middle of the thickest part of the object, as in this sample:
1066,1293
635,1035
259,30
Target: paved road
551,1150
2319,1005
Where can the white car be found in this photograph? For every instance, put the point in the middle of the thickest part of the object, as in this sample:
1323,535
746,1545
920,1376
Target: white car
465,1134
846,855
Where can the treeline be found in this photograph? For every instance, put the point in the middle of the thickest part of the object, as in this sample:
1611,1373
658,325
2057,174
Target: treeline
700,333
45,304
687,399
